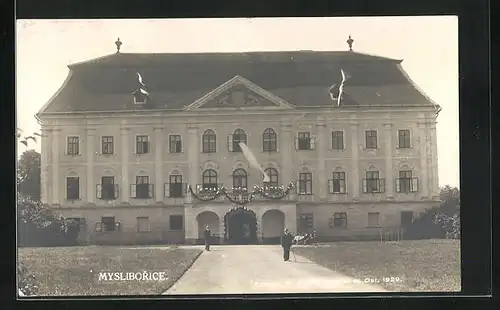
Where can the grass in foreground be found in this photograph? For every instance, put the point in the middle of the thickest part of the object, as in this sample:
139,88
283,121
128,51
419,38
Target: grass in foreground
423,265
74,271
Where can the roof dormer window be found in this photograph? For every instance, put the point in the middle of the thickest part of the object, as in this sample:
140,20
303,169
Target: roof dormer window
139,96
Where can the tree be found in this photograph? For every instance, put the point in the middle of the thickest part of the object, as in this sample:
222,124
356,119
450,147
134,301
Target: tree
29,174
439,222
448,216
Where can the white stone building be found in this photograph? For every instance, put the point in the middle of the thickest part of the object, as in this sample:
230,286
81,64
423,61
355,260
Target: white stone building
120,162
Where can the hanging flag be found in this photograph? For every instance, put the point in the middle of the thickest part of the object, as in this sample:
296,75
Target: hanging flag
341,87
144,92
252,161
334,92
140,79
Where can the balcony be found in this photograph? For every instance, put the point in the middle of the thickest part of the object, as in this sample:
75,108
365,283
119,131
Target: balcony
406,185
107,191
142,191
209,191
307,144
175,190
336,186
373,186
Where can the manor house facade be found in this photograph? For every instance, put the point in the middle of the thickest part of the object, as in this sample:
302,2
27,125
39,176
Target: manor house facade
127,134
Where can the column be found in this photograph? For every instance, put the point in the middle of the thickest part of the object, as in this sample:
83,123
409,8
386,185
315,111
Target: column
434,181
286,142
158,132
55,166
90,165
193,156
424,175
322,173
124,185
44,180
389,178
354,175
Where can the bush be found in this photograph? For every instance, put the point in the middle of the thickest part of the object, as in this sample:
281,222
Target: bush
450,224
26,280
40,226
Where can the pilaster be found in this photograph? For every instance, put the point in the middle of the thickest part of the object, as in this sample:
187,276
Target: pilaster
56,137
286,141
322,173
434,161
158,136
44,180
424,169
90,165
354,175
124,185
389,182
193,156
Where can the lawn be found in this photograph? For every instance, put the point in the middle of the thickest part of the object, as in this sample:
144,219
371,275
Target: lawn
424,265
74,271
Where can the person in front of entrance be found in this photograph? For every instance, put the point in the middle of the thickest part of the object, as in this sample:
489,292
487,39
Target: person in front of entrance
207,236
286,243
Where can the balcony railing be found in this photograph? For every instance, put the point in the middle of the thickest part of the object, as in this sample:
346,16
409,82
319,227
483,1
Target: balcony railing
142,191
175,190
407,185
107,191
336,186
305,144
372,186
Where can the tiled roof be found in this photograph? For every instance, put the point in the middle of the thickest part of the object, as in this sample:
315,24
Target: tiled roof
174,81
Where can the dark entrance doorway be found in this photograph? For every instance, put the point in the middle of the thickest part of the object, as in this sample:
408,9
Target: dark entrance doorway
240,226
407,218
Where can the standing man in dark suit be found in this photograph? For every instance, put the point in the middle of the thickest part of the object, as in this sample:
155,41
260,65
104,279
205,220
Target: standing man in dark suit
207,236
286,243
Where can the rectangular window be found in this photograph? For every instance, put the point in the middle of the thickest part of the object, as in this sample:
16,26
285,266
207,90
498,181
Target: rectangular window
73,145
176,222
107,145
371,139
142,187
404,138
175,144
338,140
108,223
142,144
339,220
373,219
78,222
306,222
72,188
337,184
108,188
305,183
304,141
175,186
143,224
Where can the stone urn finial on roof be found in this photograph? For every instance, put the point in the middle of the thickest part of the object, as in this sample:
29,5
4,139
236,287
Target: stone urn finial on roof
118,44
349,42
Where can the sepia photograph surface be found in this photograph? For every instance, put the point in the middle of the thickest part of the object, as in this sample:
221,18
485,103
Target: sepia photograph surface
237,156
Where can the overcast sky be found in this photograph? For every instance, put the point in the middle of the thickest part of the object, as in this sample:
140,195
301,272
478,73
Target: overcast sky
428,45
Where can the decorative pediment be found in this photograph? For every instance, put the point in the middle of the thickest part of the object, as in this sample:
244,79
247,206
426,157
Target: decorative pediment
239,93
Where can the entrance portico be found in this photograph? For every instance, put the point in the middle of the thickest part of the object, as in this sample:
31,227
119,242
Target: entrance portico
283,215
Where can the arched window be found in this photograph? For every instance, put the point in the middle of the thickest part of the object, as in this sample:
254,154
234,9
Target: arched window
239,178
210,179
273,176
209,141
234,140
269,140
